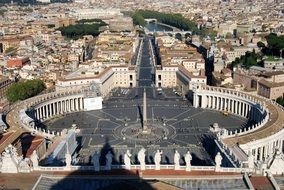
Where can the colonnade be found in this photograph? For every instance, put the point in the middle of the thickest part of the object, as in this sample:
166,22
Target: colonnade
262,152
246,106
60,106
262,149
233,105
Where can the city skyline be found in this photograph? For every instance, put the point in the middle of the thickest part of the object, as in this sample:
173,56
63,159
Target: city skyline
141,94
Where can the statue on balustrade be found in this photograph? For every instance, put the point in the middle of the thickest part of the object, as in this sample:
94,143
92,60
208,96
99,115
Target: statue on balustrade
10,160
250,160
34,158
141,158
127,160
109,157
176,160
157,159
218,162
187,159
23,166
68,160
96,161
68,156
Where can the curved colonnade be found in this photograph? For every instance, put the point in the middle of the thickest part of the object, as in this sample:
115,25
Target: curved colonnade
29,113
263,137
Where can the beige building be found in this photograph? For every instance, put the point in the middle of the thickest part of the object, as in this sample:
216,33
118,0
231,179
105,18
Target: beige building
120,24
105,78
277,64
271,90
237,52
5,82
166,76
115,48
181,65
222,78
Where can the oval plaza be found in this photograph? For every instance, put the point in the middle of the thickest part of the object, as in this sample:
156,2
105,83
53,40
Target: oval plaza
131,117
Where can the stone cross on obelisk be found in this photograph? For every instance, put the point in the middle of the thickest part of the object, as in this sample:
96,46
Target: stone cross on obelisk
144,112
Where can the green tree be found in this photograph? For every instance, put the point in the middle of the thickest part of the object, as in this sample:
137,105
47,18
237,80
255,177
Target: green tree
176,20
229,35
247,60
260,44
78,30
10,49
24,89
280,101
275,44
2,12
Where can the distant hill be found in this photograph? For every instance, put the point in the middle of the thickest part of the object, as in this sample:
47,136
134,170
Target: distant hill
31,2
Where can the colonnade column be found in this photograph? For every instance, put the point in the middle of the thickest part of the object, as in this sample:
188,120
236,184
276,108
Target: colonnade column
66,106
226,104
47,110
214,103
54,108
233,106
261,153
82,106
40,114
37,114
209,102
195,97
73,104
57,108
218,103
239,108
249,110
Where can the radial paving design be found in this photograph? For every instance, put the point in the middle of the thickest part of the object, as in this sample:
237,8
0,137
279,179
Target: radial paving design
174,124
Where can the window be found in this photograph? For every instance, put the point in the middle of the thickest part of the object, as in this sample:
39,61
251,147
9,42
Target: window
130,77
159,77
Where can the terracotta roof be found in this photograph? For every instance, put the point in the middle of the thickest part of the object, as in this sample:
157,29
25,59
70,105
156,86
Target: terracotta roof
261,183
29,143
5,136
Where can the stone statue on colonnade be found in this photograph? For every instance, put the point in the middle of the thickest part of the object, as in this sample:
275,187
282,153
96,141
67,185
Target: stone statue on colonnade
218,162
187,159
96,161
127,160
176,160
141,158
157,159
34,158
109,157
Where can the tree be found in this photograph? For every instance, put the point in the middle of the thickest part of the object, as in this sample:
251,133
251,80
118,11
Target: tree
176,20
23,90
78,30
229,35
10,50
275,44
260,44
280,101
247,60
2,12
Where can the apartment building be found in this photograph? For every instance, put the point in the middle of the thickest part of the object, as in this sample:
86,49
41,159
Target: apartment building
106,78
181,65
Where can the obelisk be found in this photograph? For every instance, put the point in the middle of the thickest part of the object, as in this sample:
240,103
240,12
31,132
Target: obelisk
144,111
